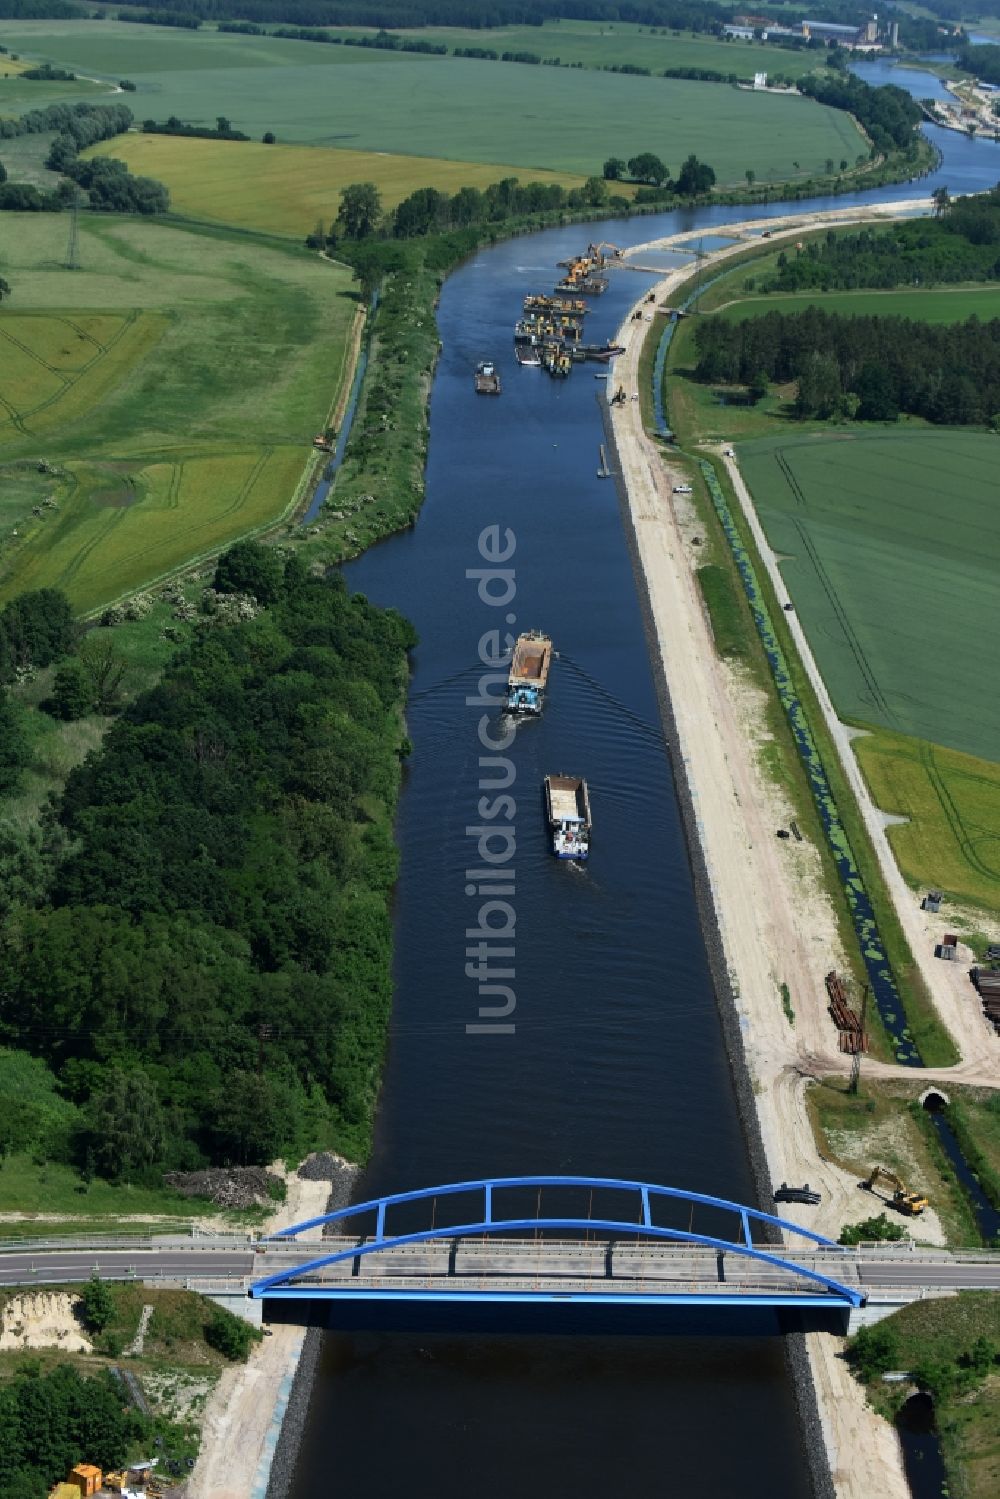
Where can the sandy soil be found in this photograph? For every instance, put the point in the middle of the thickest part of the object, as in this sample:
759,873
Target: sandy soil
42,1319
776,924
239,1414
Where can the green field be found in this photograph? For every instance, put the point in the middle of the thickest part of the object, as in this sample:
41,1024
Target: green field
599,44
285,189
172,385
18,95
942,304
593,44
892,542
952,840
459,109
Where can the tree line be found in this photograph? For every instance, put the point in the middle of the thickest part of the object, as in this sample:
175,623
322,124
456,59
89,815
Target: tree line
694,178
428,211
888,114
983,62
109,185
689,15
199,946
39,10
872,368
962,243
223,130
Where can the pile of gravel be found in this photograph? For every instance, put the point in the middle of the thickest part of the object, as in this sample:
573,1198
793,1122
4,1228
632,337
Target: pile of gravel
227,1186
342,1175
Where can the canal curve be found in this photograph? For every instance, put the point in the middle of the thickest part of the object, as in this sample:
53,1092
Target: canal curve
616,1065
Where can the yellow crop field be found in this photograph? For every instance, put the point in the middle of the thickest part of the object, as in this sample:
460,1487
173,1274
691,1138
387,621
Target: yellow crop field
285,189
122,524
55,367
952,838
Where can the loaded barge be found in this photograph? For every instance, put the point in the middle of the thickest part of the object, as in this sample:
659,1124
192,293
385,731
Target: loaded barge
487,378
529,673
573,306
567,806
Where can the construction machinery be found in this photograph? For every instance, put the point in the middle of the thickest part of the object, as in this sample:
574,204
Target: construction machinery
597,255
910,1203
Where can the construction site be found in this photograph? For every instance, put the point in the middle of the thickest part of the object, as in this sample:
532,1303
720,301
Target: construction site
138,1481
549,335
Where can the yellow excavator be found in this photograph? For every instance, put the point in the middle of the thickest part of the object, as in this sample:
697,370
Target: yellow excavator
599,259
910,1203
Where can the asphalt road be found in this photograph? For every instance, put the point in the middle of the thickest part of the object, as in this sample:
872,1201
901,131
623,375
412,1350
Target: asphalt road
54,1266
63,1266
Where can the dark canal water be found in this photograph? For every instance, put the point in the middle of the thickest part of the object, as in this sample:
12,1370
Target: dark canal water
616,1065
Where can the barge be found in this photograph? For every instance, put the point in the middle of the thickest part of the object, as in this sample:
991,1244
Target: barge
526,355
591,286
529,673
556,359
487,378
567,806
538,302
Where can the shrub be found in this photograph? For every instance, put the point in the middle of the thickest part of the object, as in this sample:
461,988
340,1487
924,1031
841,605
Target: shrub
873,1351
97,1305
229,1335
872,1231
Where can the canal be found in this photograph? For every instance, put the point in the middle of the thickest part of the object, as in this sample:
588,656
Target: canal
616,1064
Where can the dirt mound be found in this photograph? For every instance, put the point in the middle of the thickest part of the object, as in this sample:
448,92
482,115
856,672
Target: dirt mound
42,1319
228,1187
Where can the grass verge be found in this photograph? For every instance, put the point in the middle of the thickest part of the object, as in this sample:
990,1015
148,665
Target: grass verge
950,1346
884,1125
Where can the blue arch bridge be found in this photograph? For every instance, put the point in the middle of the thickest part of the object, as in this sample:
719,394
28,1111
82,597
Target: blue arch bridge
557,1253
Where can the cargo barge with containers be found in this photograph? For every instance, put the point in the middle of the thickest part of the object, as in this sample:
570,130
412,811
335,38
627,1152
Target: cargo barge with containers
529,673
567,807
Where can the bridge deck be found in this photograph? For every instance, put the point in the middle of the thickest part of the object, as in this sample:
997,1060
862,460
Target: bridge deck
559,1267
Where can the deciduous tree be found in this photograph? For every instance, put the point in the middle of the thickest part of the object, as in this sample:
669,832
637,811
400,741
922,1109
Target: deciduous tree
360,210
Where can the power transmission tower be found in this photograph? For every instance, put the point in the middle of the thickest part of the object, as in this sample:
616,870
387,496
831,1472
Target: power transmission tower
856,1059
73,248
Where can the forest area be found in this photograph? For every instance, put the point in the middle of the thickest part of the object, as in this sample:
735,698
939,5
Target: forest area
196,938
962,243
869,368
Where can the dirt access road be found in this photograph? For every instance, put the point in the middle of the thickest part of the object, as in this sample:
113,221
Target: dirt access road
776,924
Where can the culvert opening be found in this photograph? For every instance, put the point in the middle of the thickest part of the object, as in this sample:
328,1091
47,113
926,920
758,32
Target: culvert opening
934,1101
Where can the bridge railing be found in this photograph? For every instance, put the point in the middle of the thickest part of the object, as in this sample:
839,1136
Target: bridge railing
489,1219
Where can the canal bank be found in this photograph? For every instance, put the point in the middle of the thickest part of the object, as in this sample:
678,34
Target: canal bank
751,916
616,1061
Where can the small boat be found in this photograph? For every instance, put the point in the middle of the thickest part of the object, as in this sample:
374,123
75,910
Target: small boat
487,378
567,806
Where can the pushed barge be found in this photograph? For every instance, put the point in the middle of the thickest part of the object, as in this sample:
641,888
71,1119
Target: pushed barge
567,806
529,673
487,378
